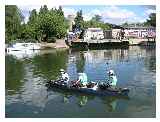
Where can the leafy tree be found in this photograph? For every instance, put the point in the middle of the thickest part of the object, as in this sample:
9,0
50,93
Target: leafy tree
96,22
47,25
79,21
96,18
33,16
152,20
60,11
51,24
125,24
28,30
43,9
13,20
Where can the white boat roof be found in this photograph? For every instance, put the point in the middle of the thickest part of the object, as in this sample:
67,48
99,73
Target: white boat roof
94,29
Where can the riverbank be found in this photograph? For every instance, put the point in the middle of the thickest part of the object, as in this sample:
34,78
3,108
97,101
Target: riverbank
112,43
60,43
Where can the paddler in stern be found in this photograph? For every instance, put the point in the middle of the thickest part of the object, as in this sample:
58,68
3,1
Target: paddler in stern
112,79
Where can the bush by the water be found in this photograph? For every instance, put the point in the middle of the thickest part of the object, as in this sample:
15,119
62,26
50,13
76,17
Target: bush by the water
51,40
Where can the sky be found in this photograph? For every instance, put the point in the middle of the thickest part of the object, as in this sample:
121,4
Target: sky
110,14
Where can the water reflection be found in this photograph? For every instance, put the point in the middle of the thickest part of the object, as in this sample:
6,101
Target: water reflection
118,55
14,74
83,99
26,78
23,54
80,62
49,64
66,98
112,103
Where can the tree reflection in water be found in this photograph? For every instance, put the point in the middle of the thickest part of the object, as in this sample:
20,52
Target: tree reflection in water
48,65
111,102
80,62
14,74
82,100
66,97
25,83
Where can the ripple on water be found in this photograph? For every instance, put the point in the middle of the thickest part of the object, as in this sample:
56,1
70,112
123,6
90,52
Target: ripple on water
135,69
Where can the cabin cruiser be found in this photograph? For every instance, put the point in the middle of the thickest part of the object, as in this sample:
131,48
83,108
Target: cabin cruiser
23,50
23,46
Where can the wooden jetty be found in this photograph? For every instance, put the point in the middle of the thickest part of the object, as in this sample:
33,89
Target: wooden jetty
102,44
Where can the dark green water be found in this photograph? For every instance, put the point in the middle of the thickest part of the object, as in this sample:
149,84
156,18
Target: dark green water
27,95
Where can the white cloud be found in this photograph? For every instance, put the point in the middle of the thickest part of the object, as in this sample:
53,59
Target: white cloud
88,16
115,15
29,7
68,11
149,11
118,13
112,14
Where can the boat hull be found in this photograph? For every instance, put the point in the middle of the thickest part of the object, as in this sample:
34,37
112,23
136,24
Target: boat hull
98,91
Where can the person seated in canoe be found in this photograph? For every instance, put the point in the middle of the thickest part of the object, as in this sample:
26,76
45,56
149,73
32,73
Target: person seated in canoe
112,79
82,80
64,77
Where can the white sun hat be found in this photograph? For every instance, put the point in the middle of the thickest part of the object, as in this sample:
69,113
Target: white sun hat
111,72
61,70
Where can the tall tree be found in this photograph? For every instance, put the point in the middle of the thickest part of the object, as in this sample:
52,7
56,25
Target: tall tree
43,9
47,25
79,20
97,18
125,24
60,11
33,16
13,20
28,30
51,24
96,22
152,20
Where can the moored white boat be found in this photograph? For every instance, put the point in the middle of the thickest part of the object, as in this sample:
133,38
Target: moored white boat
23,50
24,46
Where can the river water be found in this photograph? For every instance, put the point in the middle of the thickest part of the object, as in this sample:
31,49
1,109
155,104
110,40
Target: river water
28,96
